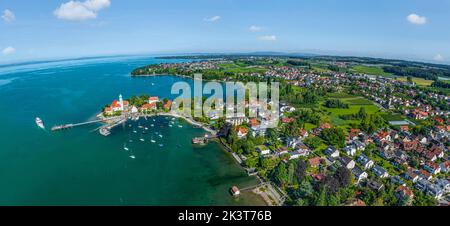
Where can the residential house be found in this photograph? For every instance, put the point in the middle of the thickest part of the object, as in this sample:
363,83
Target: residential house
445,166
148,107
444,184
365,162
302,149
315,162
375,185
380,172
134,110
425,174
411,175
359,174
422,185
435,191
332,152
282,151
303,134
263,150
292,142
168,105
295,155
241,132
397,180
404,194
432,167
360,146
347,162
153,100
350,150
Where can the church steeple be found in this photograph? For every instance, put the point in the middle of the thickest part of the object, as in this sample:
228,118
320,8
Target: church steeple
121,102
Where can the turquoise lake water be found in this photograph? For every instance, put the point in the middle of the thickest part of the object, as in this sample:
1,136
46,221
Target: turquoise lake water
81,167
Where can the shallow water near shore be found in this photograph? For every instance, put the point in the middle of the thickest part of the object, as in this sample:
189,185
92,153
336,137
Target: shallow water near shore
81,167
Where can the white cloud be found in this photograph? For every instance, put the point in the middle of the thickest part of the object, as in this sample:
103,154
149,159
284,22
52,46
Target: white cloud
8,50
8,16
416,19
212,19
439,57
268,38
79,11
255,28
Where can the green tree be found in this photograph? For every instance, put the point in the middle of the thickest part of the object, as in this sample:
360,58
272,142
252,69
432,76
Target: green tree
321,198
362,113
334,136
300,172
281,175
313,142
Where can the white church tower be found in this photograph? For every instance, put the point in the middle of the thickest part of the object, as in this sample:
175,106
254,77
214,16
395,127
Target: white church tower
121,103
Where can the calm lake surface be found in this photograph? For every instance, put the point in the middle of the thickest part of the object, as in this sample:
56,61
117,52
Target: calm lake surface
81,167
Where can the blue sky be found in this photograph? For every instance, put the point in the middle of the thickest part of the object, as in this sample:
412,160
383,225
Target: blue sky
406,29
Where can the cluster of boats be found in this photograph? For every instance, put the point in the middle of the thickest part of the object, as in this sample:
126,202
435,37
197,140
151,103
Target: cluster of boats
143,130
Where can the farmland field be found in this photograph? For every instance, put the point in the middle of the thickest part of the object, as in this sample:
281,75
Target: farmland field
418,81
370,70
355,103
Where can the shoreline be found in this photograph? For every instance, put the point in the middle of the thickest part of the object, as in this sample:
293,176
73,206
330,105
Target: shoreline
176,75
261,195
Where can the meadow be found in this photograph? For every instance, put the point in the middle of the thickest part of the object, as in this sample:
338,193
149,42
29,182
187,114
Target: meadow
418,81
370,70
355,103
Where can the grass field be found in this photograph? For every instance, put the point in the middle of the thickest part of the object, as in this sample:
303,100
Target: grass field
418,81
370,70
355,103
392,117
234,68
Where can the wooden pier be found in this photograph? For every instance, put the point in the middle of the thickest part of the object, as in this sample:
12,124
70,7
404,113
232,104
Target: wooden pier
72,125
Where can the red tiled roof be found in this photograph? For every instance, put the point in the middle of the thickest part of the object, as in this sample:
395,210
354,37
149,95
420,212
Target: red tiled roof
254,122
325,126
315,161
242,130
148,106
168,104
405,190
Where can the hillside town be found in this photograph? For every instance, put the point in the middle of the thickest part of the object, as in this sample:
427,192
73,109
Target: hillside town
344,138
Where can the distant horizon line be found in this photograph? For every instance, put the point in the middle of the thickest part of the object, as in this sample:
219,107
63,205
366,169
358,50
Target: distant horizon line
254,53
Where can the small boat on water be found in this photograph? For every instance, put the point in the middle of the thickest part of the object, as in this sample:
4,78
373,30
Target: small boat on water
134,131
170,126
132,156
126,149
153,141
160,135
105,132
180,126
142,139
40,123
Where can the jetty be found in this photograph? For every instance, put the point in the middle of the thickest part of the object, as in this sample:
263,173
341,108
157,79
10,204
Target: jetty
72,125
112,122
202,140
